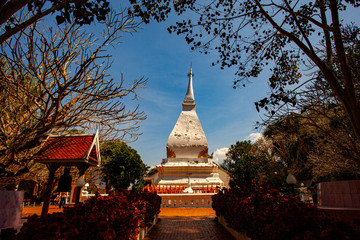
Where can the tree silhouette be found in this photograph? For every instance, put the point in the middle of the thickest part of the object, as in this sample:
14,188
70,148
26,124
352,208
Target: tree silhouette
280,35
79,11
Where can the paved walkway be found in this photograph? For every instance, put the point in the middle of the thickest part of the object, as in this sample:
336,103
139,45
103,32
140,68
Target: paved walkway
188,224
27,211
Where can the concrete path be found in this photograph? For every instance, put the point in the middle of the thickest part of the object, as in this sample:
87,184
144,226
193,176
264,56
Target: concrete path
178,224
29,210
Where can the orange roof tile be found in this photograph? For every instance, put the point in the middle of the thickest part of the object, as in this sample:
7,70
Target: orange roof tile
71,148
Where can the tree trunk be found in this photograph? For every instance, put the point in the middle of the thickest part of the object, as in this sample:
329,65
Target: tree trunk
11,8
352,109
52,168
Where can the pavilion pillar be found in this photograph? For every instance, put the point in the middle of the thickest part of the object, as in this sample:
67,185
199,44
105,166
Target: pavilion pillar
82,168
52,169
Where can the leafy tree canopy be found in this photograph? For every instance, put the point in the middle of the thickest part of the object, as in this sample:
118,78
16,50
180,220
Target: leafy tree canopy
240,163
279,35
292,141
251,164
77,11
122,165
316,145
315,137
151,172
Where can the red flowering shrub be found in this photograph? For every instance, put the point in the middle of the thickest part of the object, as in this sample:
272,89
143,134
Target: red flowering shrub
111,217
147,203
265,213
151,203
7,233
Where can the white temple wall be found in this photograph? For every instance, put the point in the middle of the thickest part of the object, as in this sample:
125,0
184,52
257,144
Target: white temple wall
224,176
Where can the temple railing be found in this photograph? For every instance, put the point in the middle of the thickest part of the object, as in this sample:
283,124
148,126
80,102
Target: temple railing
202,200
176,189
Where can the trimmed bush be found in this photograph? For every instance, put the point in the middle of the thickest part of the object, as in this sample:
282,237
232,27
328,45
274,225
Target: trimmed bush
265,213
113,217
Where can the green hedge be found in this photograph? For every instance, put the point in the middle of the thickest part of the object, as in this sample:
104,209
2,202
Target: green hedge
265,213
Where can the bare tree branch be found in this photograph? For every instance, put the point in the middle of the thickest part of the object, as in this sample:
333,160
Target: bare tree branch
57,80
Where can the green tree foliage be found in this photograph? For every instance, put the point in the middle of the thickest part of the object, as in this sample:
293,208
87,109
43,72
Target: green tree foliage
250,165
292,141
152,172
316,146
122,165
76,11
315,135
280,36
240,163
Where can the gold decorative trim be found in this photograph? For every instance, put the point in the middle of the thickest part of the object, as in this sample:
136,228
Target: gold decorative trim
204,153
170,153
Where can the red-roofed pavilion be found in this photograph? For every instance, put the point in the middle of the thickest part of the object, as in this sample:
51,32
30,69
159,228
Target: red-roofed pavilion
80,150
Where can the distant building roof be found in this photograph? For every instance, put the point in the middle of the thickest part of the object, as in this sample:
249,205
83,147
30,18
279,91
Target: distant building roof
70,149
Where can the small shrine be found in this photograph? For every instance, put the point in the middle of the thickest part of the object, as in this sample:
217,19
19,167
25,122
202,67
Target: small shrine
80,150
188,168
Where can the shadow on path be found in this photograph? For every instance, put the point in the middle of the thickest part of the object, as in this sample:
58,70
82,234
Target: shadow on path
188,228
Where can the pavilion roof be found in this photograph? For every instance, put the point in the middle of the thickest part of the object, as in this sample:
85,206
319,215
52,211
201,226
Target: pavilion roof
70,149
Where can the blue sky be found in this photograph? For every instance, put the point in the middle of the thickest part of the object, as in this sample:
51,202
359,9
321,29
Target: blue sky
226,115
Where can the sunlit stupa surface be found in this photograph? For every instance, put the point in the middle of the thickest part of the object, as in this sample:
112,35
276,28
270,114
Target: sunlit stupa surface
188,167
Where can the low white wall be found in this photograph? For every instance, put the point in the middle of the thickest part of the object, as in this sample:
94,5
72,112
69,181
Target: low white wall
235,234
144,231
186,200
340,194
11,205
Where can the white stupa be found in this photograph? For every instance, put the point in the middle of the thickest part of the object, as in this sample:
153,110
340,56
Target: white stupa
187,163
187,141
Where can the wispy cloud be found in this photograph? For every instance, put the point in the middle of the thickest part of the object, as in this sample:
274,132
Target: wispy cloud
220,155
253,137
